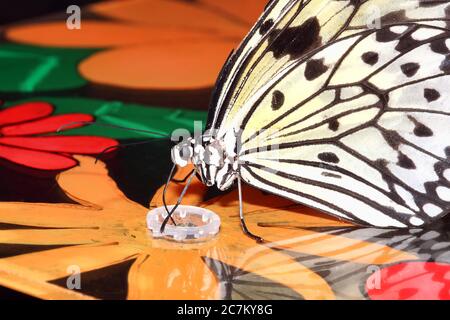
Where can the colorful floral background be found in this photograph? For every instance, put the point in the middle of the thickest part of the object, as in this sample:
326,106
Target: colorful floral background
151,65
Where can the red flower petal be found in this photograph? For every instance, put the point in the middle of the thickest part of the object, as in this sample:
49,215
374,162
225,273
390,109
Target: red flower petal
46,125
415,280
66,144
36,159
25,112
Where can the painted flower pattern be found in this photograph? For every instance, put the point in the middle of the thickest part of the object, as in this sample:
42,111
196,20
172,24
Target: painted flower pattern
130,51
105,231
141,41
28,137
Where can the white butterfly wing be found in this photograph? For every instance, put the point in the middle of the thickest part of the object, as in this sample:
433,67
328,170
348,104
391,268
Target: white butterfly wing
357,125
287,30
290,29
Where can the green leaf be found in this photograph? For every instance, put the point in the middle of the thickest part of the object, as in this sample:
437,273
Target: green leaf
29,69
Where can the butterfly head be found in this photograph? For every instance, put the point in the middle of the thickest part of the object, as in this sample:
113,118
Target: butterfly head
211,161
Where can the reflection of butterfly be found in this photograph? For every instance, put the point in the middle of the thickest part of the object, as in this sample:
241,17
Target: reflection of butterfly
340,105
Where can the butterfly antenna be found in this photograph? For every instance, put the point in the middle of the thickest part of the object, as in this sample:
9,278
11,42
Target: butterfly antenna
180,198
107,125
101,154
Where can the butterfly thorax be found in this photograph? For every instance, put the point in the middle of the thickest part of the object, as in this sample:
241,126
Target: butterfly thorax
215,163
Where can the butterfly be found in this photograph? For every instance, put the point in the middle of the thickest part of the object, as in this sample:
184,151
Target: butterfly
341,105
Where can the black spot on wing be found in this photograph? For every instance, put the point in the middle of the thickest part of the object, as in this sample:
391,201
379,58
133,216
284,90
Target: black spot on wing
445,65
410,69
420,129
386,35
328,157
439,46
333,125
370,58
406,43
393,17
430,3
405,162
431,94
277,100
392,138
314,69
355,3
295,41
266,26
381,164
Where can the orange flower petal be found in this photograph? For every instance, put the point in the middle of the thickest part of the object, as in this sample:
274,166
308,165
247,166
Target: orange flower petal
172,66
169,13
50,215
46,237
18,280
74,184
246,11
173,274
95,34
53,264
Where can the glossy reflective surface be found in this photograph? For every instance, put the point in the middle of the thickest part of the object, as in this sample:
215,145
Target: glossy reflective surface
306,255
75,229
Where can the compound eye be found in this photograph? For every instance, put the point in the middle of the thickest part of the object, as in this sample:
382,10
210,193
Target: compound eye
185,153
181,154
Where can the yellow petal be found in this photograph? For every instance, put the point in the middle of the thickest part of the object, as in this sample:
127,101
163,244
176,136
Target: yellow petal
90,185
100,34
48,236
54,264
22,280
160,66
172,274
247,11
169,13
48,215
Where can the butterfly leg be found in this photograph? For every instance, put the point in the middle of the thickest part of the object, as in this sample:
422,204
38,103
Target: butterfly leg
241,216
